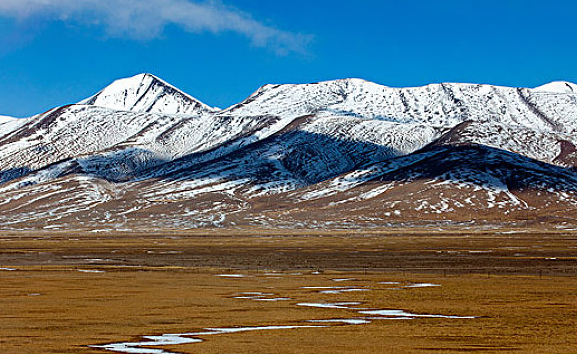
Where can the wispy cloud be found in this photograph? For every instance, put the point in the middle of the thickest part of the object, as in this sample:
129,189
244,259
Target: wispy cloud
146,19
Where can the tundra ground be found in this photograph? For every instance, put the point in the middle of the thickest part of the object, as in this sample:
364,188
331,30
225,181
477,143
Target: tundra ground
60,293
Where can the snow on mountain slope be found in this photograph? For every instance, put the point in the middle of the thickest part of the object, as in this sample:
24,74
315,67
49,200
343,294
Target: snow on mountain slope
198,140
5,119
348,109
117,144
438,105
558,87
45,204
147,93
560,109
457,184
442,183
525,121
308,151
537,144
9,124
69,132
314,146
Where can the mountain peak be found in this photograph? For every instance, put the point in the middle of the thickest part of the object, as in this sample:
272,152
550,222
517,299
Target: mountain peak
147,93
558,87
4,119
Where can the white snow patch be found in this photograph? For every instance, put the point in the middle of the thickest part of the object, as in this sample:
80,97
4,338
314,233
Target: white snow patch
90,271
401,314
341,291
184,338
421,285
336,305
349,321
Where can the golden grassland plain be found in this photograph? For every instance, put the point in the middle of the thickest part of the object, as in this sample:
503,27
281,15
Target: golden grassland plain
521,286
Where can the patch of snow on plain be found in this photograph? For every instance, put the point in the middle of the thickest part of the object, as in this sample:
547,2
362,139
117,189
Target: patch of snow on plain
421,285
184,338
341,291
350,321
336,305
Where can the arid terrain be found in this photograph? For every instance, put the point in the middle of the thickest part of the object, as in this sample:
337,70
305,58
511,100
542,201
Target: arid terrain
398,291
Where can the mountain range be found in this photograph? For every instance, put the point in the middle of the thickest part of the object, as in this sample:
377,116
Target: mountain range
143,155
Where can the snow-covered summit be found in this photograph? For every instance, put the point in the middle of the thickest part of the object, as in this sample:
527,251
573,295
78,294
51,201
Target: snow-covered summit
558,87
9,124
147,93
5,119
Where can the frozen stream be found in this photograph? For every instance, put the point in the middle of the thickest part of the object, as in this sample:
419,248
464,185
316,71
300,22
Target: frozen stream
182,338
362,316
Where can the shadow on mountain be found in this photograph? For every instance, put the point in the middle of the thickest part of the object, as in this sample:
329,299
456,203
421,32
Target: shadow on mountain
13,173
305,158
482,166
299,155
313,158
120,165
112,166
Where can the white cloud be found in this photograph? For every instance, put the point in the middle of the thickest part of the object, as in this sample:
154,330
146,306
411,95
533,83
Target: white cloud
146,19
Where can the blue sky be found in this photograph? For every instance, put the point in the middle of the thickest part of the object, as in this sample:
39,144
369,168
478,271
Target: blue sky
54,52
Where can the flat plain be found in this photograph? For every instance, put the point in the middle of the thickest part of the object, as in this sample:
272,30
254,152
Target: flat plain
394,291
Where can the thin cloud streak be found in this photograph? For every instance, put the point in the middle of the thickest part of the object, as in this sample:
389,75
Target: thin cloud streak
146,19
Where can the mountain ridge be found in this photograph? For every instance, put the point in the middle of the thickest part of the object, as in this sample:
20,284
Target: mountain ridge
91,165
554,87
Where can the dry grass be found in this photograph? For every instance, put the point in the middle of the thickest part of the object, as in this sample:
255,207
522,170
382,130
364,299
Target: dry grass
147,290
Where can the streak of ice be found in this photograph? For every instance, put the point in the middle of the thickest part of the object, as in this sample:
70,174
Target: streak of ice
340,291
273,299
350,321
322,287
90,271
137,347
247,329
401,313
335,305
179,339
421,285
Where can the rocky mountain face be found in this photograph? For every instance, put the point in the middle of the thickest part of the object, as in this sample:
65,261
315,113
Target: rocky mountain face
141,154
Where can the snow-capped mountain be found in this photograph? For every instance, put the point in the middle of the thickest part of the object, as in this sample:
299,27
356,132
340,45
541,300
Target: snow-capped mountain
352,151
150,94
438,105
